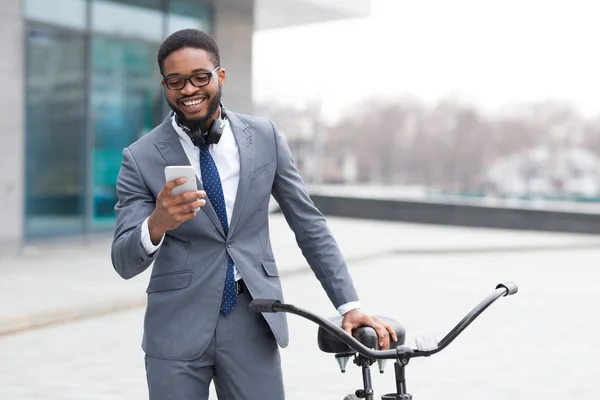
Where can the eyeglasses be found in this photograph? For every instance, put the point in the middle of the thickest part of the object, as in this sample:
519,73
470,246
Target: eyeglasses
198,79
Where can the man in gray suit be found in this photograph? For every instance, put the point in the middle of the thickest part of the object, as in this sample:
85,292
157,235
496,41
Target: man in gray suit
211,248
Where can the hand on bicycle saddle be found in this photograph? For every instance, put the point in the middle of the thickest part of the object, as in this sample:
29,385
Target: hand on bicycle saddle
356,318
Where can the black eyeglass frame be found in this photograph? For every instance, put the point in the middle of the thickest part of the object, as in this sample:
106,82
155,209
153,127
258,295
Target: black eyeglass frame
187,79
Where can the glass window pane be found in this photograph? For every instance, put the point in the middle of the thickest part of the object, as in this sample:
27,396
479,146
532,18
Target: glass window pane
69,13
188,14
128,19
127,103
55,133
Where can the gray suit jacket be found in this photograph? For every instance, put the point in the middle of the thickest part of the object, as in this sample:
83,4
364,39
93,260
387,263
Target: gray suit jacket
186,284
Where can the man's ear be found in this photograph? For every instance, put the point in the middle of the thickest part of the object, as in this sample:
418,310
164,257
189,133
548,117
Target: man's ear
222,75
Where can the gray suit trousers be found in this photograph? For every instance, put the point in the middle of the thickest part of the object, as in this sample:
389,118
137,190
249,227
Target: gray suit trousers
242,358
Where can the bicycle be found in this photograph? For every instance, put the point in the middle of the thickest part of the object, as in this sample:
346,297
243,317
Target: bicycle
364,348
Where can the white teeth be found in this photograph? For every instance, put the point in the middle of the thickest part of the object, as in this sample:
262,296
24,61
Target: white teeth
193,102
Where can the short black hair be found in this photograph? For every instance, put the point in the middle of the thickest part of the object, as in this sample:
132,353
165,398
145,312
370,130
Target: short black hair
193,38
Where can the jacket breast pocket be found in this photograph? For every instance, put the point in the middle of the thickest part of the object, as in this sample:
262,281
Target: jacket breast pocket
263,171
170,281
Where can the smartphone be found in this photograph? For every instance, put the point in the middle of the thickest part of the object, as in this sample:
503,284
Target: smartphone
173,172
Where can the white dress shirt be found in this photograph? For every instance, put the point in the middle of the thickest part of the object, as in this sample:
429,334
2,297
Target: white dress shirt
226,156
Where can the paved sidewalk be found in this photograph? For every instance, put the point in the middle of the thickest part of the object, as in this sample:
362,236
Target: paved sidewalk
51,284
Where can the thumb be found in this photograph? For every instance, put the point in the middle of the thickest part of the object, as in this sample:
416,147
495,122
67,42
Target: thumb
347,326
348,329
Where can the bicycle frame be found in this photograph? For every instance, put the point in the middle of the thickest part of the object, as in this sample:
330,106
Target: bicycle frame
401,354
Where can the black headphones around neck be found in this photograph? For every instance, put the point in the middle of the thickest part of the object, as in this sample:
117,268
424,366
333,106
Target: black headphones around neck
213,135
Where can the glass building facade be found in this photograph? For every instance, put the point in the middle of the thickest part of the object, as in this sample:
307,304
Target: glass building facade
92,87
80,82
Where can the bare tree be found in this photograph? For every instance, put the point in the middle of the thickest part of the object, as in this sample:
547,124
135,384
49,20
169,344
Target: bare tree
448,146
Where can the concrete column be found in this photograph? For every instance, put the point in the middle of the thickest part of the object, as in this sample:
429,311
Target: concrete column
12,128
233,28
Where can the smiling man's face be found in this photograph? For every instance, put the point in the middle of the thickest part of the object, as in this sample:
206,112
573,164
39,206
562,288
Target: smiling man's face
195,100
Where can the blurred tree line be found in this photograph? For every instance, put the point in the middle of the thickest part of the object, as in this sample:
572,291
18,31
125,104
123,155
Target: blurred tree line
447,146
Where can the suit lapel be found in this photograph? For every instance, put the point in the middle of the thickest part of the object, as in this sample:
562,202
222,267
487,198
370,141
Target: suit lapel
243,134
170,148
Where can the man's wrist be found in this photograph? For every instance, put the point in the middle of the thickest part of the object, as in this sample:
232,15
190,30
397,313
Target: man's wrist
156,233
347,307
147,244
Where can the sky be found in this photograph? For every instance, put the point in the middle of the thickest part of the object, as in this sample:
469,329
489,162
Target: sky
491,54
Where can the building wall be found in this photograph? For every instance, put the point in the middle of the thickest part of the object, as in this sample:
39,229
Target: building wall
233,29
12,130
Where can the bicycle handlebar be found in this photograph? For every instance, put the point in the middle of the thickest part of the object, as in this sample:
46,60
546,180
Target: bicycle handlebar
401,352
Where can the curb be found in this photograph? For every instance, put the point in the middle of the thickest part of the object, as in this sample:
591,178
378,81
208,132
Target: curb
39,320
28,322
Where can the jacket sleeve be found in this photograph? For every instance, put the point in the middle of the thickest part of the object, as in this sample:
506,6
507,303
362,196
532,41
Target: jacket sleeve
310,228
135,203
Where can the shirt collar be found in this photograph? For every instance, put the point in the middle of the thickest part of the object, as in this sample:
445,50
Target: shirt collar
180,132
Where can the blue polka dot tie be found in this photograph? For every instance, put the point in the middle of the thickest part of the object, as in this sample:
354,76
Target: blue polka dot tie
214,190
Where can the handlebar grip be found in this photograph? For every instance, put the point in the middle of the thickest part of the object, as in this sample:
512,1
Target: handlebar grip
511,288
263,305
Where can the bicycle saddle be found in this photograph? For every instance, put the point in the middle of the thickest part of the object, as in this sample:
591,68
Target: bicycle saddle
366,335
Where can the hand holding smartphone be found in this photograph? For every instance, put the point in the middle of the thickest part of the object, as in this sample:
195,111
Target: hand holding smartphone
173,172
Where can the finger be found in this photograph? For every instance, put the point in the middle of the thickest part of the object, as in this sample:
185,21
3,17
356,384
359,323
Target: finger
172,184
384,337
183,216
348,330
192,206
348,327
187,196
184,209
391,331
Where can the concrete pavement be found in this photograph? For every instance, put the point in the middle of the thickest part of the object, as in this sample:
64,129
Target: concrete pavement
61,282
540,344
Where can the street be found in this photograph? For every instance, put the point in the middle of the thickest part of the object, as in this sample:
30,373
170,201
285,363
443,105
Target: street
538,344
